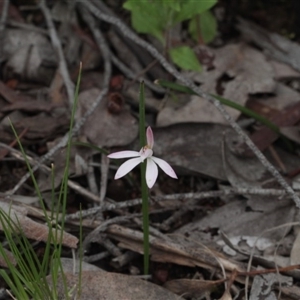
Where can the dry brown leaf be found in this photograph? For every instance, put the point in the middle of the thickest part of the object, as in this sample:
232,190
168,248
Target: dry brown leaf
226,296
55,93
68,265
243,218
283,71
41,126
29,105
249,73
28,53
192,287
198,148
283,97
292,291
292,132
105,285
103,128
277,46
11,258
263,285
178,249
10,95
295,253
31,229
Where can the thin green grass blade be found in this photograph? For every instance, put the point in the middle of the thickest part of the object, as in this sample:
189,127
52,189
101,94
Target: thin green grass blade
26,274
64,190
47,253
145,208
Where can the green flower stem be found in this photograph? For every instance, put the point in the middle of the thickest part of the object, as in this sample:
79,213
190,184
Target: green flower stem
145,208
145,211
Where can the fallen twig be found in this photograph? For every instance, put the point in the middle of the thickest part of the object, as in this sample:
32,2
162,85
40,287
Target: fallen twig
180,197
58,48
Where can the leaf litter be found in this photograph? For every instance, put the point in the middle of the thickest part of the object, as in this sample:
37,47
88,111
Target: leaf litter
197,244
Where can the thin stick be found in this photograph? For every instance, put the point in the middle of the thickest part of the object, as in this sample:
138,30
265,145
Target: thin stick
104,177
135,38
58,48
181,197
132,75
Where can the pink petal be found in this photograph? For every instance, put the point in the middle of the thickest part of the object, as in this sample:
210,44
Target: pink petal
127,166
124,154
151,173
165,167
150,137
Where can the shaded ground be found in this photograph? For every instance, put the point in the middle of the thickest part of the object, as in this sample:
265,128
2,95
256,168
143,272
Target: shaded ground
205,225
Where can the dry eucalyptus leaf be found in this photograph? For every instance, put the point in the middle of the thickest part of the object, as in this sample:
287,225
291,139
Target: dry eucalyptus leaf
245,71
295,253
176,250
275,45
195,147
41,126
29,54
192,287
263,285
237,244
11,258
226,296
104,128
31,229
68,265
283,71
240,218
105,285
292,132
198,148
282,98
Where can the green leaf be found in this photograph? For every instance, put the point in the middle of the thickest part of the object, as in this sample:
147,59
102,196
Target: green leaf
185,58
192,8
174,4
148,16
207,26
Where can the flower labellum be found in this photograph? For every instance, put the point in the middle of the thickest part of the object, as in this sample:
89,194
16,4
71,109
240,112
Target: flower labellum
145,153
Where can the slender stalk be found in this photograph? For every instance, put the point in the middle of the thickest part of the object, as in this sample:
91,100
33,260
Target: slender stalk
64,189
145,208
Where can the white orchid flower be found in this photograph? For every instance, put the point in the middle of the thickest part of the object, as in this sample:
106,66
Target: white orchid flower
139,157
